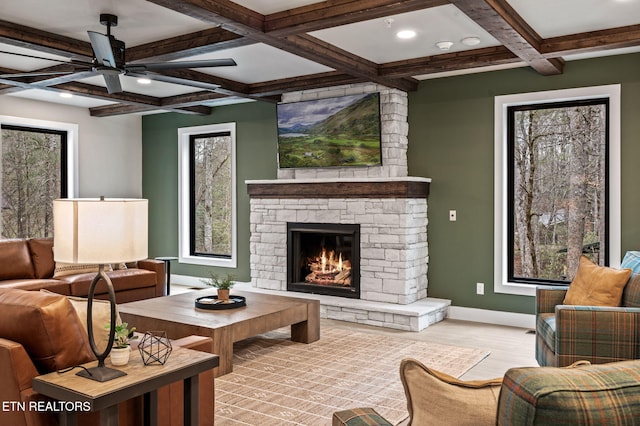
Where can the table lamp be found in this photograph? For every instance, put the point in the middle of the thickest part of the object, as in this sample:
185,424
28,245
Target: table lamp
100,231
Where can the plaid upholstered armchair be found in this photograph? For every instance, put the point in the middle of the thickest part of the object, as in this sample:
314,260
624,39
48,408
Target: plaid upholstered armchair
566,334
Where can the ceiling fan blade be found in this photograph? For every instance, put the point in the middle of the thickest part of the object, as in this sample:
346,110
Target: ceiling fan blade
24,55
177,80
113,83
159,66
34,74
102,49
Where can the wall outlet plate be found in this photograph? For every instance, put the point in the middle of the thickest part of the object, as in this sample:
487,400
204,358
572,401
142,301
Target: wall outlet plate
480,289
453,215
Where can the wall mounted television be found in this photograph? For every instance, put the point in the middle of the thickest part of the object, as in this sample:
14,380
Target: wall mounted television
332,132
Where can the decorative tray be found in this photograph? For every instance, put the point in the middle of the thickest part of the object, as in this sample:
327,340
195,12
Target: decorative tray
212,303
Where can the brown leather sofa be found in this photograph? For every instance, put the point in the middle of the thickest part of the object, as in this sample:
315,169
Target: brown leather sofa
40,332
28,264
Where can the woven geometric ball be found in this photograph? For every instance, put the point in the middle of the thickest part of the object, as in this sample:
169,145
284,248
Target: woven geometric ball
155,347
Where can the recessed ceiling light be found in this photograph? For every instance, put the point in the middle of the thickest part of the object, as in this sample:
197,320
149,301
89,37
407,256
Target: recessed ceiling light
66,95
406,34
144,81
470,41
444,45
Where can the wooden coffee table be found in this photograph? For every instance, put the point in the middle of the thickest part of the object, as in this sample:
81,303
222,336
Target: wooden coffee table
178,316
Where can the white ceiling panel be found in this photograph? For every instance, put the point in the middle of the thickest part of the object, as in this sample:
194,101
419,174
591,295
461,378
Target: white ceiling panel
260,62
54,97
376,40
267,7
139,21
554,18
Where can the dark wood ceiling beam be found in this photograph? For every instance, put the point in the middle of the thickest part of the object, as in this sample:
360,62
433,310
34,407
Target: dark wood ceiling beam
332,13
229,15
98,92
455,61
42,41
121,109
248,23
341,60
189,100
200,79
613,38
187,45
500,20
280,86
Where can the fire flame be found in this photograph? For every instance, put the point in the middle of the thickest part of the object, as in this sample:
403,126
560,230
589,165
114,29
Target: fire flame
329,263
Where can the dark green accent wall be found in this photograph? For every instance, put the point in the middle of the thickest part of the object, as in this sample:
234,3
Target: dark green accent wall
450,140
256,147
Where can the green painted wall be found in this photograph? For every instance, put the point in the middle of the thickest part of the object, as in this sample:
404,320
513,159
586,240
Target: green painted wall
450,141
256,146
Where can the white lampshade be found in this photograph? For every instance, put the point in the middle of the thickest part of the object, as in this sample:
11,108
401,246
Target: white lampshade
92,230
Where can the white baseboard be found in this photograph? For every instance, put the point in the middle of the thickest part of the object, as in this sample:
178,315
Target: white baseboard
187,281
512,319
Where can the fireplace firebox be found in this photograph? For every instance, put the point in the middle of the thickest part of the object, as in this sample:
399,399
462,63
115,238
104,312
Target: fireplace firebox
324,258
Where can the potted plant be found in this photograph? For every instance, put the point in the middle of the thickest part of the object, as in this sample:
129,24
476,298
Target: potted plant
121,347
222,283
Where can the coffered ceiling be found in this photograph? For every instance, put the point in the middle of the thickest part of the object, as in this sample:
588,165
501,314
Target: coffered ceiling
288,45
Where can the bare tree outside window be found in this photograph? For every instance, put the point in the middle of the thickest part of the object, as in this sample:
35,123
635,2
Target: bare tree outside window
33,173
211,205
557,189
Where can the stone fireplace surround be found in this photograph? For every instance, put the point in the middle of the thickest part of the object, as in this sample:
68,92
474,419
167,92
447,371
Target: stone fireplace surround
392,214
389,206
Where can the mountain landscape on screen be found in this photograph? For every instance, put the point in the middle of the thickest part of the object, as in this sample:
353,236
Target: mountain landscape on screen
333,132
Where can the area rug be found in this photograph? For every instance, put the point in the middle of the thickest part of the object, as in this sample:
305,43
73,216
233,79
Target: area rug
279,382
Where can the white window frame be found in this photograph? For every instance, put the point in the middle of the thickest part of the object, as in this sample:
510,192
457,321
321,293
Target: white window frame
184,191
502,103
72,144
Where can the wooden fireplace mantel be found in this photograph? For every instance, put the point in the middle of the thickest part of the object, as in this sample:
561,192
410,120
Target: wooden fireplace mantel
409,187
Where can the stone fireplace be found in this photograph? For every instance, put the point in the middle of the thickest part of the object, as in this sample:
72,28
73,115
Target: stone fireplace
388,255
391,214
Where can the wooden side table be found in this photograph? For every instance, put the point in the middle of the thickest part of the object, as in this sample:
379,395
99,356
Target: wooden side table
183,364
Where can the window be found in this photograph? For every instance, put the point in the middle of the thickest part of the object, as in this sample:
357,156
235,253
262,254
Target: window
207,195
34,171
555,166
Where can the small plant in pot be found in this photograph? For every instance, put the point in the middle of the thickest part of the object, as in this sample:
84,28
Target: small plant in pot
121,343
222,283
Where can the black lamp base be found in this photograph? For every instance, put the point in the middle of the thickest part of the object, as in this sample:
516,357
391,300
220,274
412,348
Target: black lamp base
101,374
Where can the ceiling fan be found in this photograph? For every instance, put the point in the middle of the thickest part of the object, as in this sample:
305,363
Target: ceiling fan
109,60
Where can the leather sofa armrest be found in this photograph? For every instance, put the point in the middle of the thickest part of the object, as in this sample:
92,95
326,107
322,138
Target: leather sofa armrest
156,266
547,297
15,383
19,370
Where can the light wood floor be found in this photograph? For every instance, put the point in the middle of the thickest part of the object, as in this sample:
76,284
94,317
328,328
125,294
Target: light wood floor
509,346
